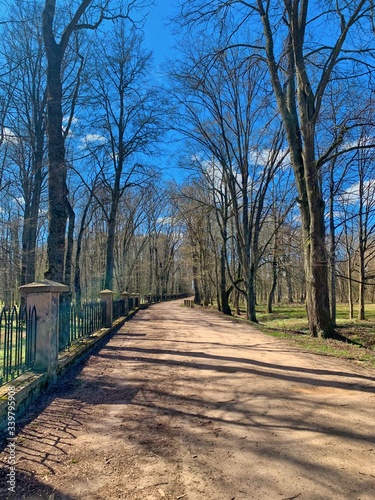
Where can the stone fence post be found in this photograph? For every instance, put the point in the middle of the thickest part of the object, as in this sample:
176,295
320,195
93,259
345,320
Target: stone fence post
107,297
125,296
45,296
136,300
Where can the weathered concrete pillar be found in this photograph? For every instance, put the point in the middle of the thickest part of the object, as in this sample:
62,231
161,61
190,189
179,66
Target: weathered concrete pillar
107,297
45,296
148,298
135,297
125,296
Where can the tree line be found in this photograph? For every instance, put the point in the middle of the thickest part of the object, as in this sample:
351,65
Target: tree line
81,121
273,88
272,105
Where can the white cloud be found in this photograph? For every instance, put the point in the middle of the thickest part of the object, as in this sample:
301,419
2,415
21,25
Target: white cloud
93,138
264,156
9,136
351,195
66,119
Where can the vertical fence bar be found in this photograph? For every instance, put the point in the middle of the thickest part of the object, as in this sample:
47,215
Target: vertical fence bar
18,347
7,344
17,342
30,319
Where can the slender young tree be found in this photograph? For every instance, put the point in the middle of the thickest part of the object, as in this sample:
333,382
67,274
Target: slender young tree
129,118
24,58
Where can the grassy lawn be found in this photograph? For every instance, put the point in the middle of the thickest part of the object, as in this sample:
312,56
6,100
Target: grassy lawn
290,321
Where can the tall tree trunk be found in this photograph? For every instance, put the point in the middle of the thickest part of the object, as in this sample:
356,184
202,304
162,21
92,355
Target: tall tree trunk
30,228
350,290
251,295
316,276
332,249
361,248
57,168
110,249
313,227
271,295
299,109
57,187
225,308
361,285
197,291
69,245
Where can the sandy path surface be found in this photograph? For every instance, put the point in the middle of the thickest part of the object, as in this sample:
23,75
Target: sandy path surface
184,404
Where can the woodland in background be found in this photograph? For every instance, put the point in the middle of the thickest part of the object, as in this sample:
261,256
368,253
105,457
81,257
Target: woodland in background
276,192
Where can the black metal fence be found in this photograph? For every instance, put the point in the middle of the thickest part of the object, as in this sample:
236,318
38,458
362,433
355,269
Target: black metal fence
119,308
161,298
18,330
75,325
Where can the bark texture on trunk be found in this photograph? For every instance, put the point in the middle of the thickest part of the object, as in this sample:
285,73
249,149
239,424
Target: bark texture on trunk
57,187
57,168
57,172
225,308
271,295
299,108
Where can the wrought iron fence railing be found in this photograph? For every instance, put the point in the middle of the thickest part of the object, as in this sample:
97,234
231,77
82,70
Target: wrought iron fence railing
18,330
75,325
118,308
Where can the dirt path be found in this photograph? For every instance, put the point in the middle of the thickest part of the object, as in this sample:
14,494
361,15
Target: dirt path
182,404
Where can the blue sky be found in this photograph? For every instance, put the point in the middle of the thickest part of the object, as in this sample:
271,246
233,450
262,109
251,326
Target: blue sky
158,36
159,39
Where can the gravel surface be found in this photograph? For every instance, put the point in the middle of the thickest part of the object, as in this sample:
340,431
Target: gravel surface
186,404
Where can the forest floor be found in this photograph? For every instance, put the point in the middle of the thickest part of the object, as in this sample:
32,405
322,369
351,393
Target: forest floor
182,404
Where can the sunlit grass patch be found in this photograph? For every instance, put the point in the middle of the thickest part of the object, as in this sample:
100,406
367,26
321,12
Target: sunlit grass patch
290,321
286,316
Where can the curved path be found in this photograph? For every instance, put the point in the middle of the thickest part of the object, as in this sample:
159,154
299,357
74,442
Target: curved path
184,404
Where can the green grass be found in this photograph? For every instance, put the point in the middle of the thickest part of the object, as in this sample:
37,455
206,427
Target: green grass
289,321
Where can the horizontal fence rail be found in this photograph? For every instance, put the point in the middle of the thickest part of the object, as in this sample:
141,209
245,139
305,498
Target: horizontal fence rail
18,330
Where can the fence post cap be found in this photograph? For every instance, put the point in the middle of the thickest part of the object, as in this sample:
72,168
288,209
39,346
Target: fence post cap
106,292
44,285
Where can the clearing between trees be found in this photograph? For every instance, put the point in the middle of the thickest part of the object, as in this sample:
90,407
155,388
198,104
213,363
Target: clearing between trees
183,404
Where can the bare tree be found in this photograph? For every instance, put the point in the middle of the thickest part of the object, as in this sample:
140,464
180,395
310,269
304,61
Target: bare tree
128,118
22,46
198,215
86,14
228,116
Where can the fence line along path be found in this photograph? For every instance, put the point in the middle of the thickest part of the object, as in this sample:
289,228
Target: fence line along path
185,404
32,337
